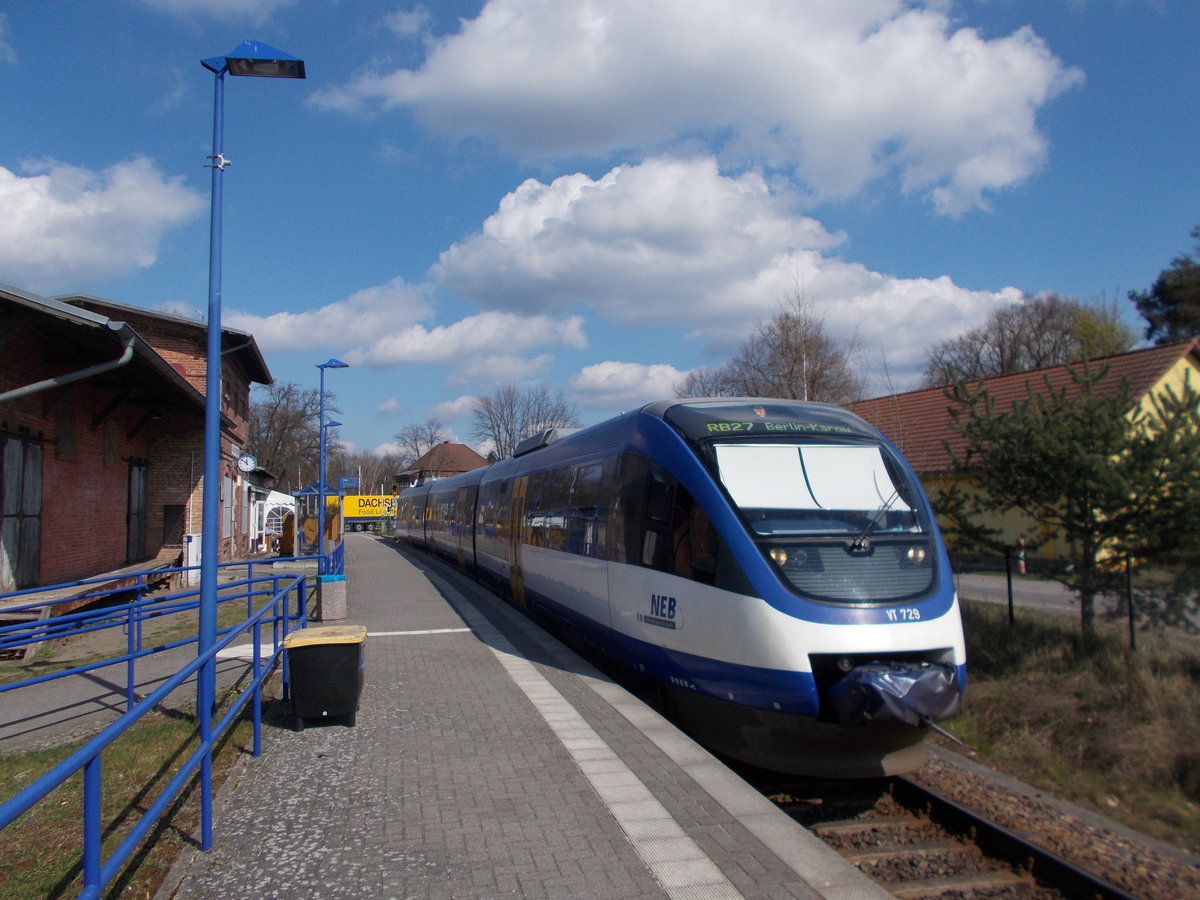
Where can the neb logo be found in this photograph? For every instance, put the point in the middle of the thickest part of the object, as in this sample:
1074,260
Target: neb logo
662,607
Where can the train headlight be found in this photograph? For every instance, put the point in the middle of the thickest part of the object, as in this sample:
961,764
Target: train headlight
779,555
845,664
915,555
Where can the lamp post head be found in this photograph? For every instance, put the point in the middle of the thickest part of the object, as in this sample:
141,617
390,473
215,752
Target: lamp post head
333,364
258,59
331,424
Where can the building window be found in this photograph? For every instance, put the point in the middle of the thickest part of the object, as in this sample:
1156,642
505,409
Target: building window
20,513
227,507
173,525
112,449
64,431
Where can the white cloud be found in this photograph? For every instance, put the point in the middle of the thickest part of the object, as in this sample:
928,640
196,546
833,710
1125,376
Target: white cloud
839,94
379,327
616,386
358,319
453,410
388,448
388,407
7,53
641,244
499,368
490,335
675,243
227,10
63,223
407,23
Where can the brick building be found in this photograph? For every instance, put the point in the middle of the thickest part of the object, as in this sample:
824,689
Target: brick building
102,437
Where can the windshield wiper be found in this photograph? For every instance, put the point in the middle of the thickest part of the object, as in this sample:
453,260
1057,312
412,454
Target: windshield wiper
861,541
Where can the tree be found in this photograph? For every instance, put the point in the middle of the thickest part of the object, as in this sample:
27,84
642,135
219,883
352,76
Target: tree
418,439
508,415
1047,330
283,433
705,382
1171,307
376,473
791,356
1117,480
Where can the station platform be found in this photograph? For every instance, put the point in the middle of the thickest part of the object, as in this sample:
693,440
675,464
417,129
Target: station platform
488,760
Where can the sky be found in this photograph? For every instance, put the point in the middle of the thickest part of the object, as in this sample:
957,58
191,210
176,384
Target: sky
596,196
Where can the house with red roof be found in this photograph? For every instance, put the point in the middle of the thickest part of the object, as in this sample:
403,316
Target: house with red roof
442,461
919,422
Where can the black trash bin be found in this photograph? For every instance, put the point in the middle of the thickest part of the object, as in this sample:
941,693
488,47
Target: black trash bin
326,667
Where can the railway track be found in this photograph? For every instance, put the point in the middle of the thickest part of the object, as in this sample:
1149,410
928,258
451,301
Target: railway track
917,844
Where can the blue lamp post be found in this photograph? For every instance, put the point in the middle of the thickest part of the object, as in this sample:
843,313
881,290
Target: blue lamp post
331,364
325,446
248,58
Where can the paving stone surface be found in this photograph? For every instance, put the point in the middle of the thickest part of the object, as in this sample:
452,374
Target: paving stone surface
487,761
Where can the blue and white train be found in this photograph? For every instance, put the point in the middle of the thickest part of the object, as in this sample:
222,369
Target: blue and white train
773,565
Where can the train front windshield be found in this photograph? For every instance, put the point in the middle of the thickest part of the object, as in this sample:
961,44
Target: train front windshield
837,518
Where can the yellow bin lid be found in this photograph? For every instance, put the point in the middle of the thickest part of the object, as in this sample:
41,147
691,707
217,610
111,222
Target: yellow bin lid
325,634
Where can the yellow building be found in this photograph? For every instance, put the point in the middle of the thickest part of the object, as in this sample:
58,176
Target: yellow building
919,422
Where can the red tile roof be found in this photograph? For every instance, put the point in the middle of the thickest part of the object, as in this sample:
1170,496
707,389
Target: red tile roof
918,422
447,459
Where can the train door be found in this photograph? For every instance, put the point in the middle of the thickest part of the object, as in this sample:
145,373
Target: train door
465,503
516,536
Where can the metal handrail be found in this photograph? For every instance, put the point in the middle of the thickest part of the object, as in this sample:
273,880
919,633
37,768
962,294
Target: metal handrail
129,616
97,872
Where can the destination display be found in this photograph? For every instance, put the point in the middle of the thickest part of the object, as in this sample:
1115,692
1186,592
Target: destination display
760,420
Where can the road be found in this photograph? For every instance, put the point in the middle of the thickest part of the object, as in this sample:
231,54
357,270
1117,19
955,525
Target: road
1049,596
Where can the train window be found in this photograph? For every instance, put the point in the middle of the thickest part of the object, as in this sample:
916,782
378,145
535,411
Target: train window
786,488
837,519
657,524
658,495
627,509
567,509
695,540
584,516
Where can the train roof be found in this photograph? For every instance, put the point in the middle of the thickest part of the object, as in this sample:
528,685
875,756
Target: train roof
694,418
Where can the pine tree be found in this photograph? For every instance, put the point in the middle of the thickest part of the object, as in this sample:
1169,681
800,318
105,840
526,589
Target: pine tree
1171,307
1113,480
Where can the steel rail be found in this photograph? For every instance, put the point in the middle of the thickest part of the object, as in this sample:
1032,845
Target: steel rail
1047,867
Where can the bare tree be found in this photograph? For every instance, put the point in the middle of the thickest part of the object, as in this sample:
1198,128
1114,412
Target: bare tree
791,355
283,432
705,382
1047,330
418,439
508,415
376,473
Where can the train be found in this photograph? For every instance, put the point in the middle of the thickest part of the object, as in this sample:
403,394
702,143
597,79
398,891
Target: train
772,567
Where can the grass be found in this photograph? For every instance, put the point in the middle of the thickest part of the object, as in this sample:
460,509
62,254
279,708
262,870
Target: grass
1106,727
65,653
40,853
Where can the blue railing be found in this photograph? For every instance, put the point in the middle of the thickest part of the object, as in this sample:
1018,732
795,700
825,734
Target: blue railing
131,617
276,611
334,562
